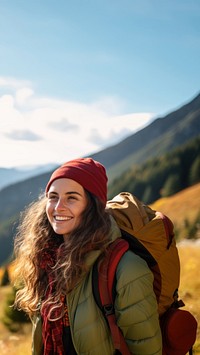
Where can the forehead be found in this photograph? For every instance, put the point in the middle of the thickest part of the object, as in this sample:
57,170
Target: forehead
65,184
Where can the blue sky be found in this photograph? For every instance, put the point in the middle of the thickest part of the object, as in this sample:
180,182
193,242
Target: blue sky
91,72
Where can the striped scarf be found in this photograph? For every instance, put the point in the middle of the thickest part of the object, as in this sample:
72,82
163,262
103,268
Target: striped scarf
52,331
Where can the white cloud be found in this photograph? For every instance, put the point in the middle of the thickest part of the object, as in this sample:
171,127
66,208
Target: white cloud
63,125
39,130
13,83
22,135
22,95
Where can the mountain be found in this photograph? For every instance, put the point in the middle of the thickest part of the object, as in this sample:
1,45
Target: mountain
10,176
161,136
161,176
157,139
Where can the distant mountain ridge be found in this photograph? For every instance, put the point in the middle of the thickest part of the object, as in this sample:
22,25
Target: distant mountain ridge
10,176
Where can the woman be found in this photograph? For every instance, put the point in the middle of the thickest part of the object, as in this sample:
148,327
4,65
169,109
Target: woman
59,239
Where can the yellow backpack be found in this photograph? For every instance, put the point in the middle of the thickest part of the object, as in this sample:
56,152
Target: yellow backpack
149,234
154,231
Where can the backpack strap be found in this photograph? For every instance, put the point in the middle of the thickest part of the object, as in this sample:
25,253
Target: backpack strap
169,227
104,281
106,276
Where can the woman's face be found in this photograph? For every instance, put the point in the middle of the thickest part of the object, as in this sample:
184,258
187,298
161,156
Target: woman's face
66,200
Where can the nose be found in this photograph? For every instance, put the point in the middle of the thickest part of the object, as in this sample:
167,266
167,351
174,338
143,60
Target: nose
60,205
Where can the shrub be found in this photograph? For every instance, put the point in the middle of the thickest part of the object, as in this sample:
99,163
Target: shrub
13,319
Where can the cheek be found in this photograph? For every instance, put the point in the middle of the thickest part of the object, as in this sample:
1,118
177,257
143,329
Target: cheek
48,210
80,215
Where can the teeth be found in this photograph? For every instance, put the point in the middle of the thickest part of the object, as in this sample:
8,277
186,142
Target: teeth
62,218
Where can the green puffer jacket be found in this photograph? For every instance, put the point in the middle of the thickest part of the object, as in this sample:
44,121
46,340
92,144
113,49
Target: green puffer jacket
135,306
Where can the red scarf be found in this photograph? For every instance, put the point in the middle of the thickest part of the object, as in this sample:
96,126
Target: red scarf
52,331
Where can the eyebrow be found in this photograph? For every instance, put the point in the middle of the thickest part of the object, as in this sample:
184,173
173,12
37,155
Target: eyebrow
66,193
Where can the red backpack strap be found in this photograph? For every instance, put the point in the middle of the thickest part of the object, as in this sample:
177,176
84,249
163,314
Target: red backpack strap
107,270
169,227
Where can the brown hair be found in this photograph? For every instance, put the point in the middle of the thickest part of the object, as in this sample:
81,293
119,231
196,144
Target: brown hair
35,234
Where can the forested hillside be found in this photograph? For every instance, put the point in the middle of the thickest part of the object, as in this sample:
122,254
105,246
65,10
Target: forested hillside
162,176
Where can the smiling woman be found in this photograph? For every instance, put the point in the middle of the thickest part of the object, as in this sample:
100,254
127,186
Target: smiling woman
59,239
66,202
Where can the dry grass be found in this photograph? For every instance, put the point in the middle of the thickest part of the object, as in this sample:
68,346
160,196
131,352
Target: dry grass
13,343
183,205
190,282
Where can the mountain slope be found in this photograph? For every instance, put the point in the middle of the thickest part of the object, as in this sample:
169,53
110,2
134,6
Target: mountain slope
162,175
10,176
15,197
181,206
162,135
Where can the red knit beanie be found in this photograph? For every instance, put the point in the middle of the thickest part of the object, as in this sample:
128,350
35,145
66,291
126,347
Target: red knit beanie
87,172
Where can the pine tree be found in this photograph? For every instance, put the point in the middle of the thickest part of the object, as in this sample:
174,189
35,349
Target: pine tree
13,319
5,278
194,175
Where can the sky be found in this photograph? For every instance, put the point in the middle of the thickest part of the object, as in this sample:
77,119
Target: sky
77,76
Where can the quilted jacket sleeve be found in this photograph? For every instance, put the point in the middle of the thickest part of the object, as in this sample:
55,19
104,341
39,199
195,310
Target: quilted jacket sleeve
37,345
136,306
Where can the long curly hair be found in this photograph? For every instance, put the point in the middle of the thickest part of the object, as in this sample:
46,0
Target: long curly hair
36,240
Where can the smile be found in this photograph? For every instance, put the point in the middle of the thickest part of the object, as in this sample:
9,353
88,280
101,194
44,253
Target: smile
62,218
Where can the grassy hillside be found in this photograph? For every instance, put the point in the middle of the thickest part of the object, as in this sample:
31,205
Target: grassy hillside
190,284
182,208
13,343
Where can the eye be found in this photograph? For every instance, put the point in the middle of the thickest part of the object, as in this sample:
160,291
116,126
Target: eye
52,197
72,197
